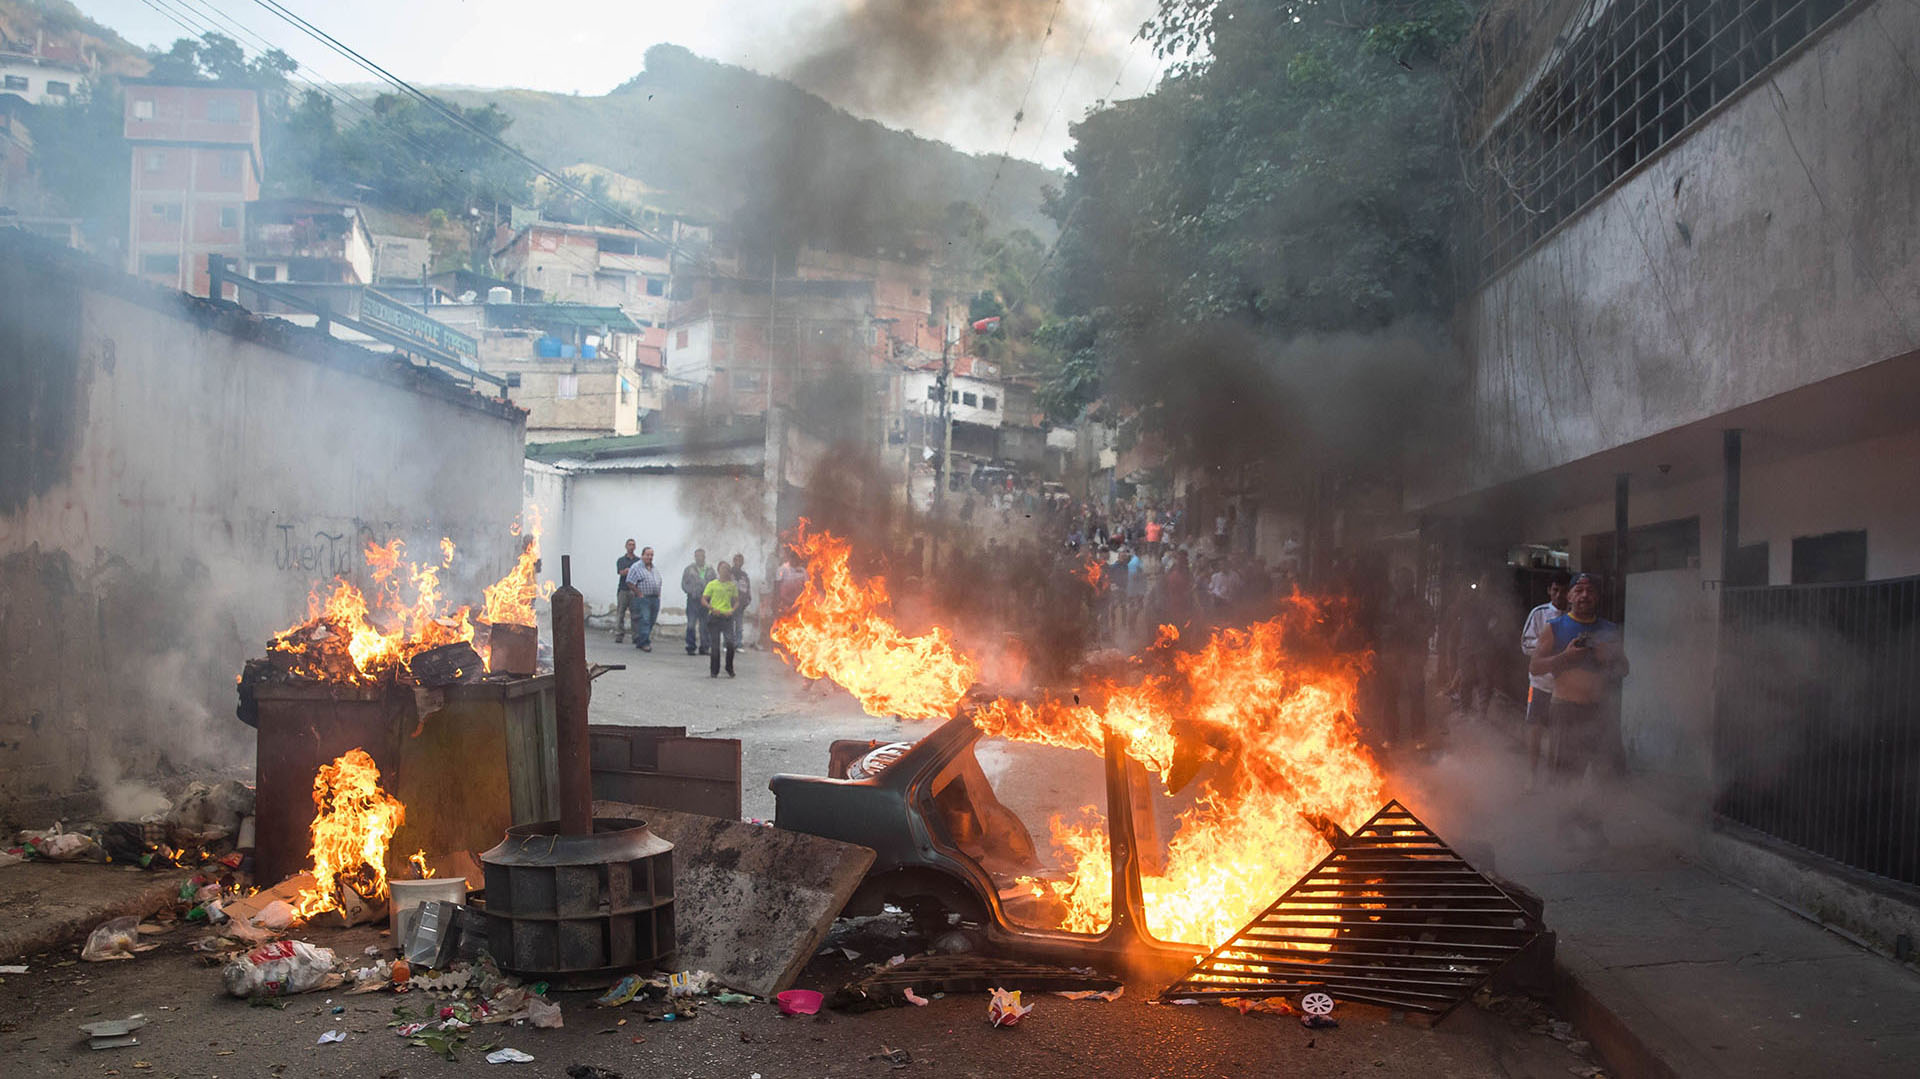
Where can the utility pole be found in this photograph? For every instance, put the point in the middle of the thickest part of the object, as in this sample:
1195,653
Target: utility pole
941,474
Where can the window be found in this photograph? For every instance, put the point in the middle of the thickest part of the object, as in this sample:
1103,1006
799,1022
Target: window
580,280
167,211
229,217
1634,75
656,287
566,387
933,393
989,403
223,111
156,160
1834,558
143,109
17,82
680,339
956,398
723,331
266,273
230,165
748,380
59,89
160,264
646,380
970,399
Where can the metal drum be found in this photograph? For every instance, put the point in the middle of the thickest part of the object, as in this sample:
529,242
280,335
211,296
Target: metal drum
580,908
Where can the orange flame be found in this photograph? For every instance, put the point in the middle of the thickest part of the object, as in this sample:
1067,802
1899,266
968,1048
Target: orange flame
1266,731
347,639
418,860
354,823
839,630
509,601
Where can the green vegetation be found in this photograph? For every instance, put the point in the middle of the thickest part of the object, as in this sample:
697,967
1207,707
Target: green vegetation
1298,180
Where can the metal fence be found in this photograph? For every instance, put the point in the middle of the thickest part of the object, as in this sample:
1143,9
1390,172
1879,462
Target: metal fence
1816,727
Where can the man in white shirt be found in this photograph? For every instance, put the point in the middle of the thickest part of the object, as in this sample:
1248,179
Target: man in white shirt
1540,686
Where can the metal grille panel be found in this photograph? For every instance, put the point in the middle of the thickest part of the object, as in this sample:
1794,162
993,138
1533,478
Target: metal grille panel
1392,916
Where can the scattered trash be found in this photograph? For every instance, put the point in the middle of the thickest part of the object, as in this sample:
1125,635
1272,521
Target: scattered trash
896,960
1266,1005
1316,1003
58,846
509,1056
1318,1022
914,998
275,915
279,969
690,983
113,1033
799,1002
1091,994
622,991
1182,1000
1004,1008
13,968
732,998
332,1037
591,1071
116,939
544,1014
431,941
895,1058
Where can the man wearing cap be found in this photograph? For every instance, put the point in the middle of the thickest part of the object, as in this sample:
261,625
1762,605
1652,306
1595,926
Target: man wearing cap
1587,658
1540,686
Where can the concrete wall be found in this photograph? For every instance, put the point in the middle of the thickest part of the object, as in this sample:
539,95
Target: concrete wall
178,478
671,509
1771,248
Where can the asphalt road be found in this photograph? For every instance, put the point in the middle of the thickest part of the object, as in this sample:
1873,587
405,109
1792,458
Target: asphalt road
786,726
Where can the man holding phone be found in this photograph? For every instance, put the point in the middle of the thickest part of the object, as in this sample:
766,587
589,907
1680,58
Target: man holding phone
1587,658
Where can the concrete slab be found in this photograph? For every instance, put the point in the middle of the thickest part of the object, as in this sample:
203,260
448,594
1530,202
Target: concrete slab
44,905
751,903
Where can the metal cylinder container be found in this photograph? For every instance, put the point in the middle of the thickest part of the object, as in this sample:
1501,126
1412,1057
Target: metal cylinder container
580,907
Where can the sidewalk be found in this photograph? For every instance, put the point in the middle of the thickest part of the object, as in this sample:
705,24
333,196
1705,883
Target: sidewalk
1667,966
46,904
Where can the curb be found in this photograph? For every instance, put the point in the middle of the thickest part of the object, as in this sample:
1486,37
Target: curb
46,936
1633,1039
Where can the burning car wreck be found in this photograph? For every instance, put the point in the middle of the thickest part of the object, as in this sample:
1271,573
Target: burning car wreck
1217,779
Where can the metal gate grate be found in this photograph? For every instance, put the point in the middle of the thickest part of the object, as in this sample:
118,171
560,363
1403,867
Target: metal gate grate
1816,732
1392,916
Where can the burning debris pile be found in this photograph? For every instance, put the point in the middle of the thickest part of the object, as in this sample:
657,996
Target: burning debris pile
1251,733
408,627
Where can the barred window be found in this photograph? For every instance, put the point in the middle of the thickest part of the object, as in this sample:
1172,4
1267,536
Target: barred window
1634,78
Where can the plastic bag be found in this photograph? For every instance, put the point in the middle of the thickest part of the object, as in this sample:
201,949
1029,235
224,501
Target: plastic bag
279,969
544,1014
117,939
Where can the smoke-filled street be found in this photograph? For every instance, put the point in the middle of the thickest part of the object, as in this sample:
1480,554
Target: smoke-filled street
1008,538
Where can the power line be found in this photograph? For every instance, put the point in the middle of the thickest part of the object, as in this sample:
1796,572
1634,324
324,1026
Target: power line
1065,85
1039,53
454,116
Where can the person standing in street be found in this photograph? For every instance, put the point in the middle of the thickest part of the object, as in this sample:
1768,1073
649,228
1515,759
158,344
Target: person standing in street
1586,655
744,584
644,583
720,598
693,582
622,607
1540,686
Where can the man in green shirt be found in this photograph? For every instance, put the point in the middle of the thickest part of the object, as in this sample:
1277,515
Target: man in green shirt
720,598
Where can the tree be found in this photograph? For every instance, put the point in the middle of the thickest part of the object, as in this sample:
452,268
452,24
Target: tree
1293,178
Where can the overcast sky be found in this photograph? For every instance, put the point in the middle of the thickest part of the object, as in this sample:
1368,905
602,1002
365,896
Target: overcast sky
591,46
